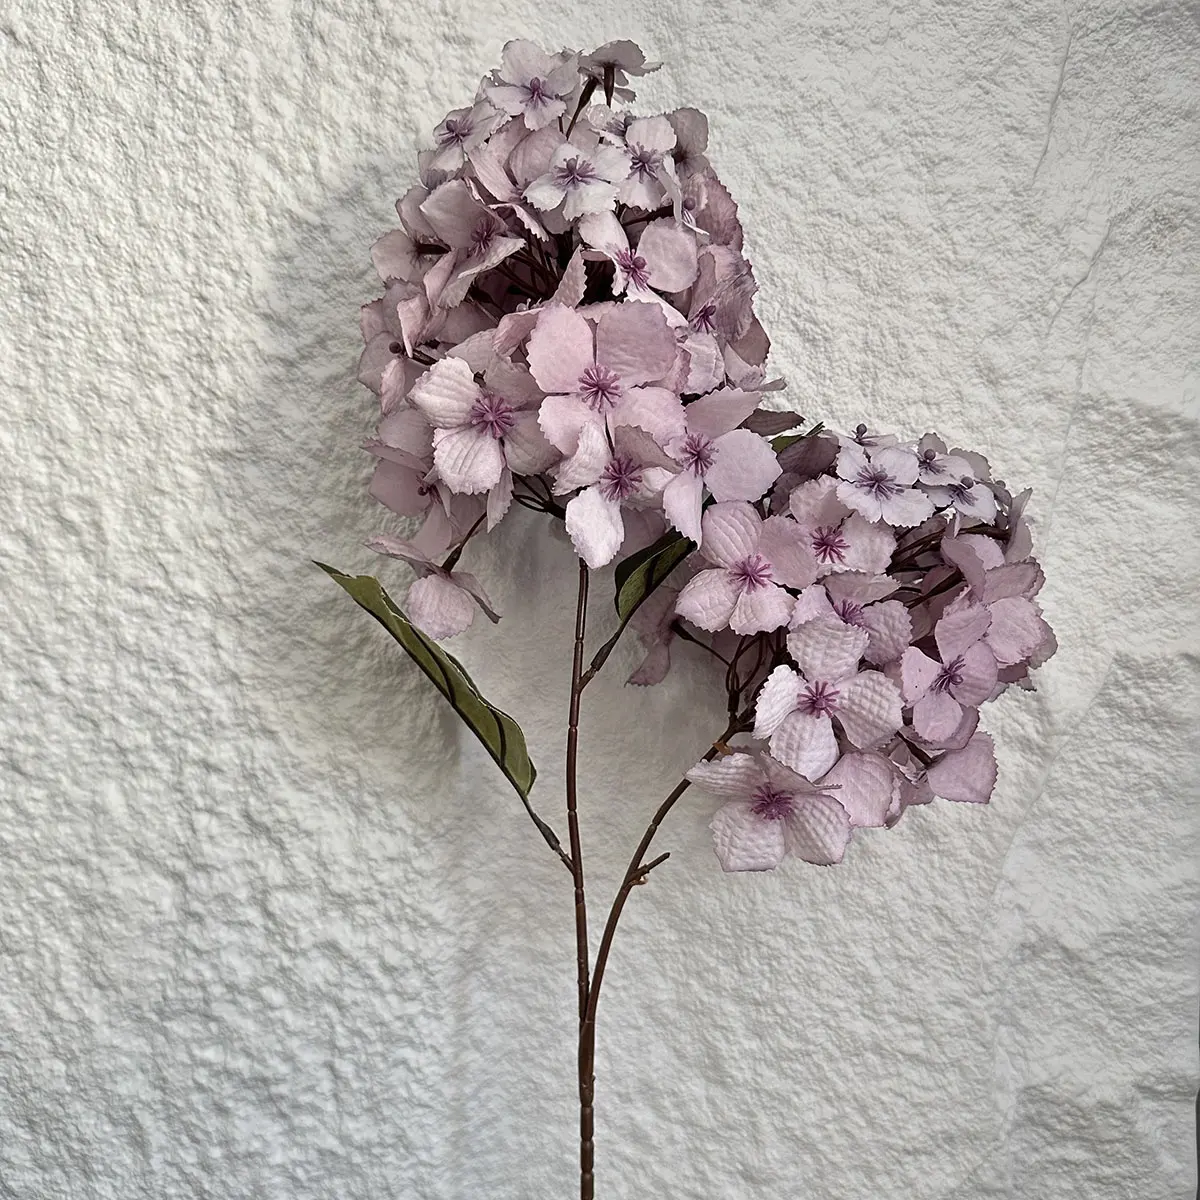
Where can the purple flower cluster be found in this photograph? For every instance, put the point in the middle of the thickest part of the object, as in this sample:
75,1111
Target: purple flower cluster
567,322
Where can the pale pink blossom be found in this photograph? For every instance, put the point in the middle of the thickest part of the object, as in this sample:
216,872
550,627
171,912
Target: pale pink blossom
440,603
769,813
483,434
604,379
664,259
462,130
649,141
532,84
581,180
858,599
754,561
715,455
938,692
617,60
797,709
840,539
878,485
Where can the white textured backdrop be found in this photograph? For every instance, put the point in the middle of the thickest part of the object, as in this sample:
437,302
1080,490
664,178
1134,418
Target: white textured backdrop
271,927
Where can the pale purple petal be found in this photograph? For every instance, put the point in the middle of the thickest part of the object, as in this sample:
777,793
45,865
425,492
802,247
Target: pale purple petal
818,831
654,409
761,609
867,786
499,499
936,716
868,707
917,673
721,411
526,447
1016,631
438,607
563,418
744,841
682,498
670,254
827,650
977,667
806,743
890,630
634,340
734,776
901,465
446,393
956,631
905,508
783,544
708,599
967,775
812,605
730,532
776,699
744,466
560,349
468,459
595,527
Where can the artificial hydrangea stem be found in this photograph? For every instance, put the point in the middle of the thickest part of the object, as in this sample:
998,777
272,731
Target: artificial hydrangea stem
635,874
586,1081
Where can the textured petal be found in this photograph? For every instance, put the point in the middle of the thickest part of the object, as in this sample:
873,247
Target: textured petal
815,503
708,599
868,708
445,393
468,459
827,650
656,410
562,420
499,499
979,673
670,254
438,607
1016,630
681,502
806,743
870,547
818,831
936,716
782,542
906,508
595,527
560,348
890,629
867,786
633,340
1012,579
759,610
526,447
776,700
721,411
745,841
400,488
734,776
744,466
730,532
901,465
967,775
917,673
812,605
956,631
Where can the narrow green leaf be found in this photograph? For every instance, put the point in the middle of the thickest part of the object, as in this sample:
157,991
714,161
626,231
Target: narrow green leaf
500,734
640,574
781,443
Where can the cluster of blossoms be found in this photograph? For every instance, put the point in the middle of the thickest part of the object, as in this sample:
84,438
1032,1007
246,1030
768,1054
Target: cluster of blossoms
568,323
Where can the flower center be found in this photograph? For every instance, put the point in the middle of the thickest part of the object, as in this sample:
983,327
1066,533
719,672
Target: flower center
829,545
818,699
951,675
574,173
620,478
599,388
877,482
539,91
645,162
456,130
849,611
772,805
493,414
752,573
961,492
697,453
633,267
483,235
704,319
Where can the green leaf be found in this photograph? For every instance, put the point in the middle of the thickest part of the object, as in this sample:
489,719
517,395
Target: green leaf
640,574
781,443
500,734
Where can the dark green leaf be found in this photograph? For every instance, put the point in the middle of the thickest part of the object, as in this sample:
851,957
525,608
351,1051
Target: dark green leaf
782,443
640,574
500,734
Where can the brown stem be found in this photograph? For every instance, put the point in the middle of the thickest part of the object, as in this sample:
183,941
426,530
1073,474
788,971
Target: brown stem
635,874
586,1083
